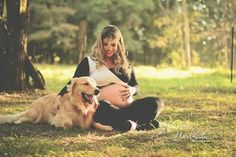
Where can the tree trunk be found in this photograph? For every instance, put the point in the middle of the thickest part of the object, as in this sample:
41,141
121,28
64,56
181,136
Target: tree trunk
1,8
82,40
13,45
183,52
31,71
167,6
186,34
12,77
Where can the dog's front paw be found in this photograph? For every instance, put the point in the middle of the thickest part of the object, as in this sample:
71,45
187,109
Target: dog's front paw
102,127
108,128
18,121
61,123
67,125
64,125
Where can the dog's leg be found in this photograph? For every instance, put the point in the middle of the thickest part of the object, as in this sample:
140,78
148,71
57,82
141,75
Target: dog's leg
28,116
102,127
67,124
60,121
23,119
11,118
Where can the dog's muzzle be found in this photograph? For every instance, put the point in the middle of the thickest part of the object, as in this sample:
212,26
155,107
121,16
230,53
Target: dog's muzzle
91,99
88,98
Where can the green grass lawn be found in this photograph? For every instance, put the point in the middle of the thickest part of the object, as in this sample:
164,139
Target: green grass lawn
198,119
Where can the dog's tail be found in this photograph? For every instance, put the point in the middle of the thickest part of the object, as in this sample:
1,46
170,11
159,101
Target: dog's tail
10,118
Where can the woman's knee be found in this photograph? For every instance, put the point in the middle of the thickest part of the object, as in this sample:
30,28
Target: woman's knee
154,104
152,107
159,105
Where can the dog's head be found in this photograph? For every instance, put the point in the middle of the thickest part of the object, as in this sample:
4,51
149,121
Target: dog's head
83,90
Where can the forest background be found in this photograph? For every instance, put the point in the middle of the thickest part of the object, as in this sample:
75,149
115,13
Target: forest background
162,33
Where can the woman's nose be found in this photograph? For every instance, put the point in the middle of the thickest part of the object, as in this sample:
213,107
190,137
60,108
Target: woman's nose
109,47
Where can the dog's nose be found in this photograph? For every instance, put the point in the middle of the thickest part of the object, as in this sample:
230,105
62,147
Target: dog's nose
97,91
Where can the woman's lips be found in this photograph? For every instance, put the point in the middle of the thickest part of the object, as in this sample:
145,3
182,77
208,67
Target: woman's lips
109,53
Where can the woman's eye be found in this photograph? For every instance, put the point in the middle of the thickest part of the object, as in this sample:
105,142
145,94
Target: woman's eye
86,83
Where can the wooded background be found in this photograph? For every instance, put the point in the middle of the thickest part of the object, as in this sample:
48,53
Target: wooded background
179,33
172,32
176,32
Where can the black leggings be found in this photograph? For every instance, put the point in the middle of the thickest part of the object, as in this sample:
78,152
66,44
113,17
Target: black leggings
141,111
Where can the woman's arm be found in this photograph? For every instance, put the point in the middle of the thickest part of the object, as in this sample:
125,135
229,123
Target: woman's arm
81,70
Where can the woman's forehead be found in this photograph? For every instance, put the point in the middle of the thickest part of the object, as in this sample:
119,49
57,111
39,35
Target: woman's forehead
109,40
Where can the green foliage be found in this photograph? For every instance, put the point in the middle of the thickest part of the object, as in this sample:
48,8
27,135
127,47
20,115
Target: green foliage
198,119
209,32
152,29
50,34
125,14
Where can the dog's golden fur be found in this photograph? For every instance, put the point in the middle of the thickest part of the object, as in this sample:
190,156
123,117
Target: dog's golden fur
75,108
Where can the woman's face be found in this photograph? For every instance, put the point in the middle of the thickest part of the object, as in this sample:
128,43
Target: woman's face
109,47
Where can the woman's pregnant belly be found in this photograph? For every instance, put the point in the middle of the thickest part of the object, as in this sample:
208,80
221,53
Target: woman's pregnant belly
112,94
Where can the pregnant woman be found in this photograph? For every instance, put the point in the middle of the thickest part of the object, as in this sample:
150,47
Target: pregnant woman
109,67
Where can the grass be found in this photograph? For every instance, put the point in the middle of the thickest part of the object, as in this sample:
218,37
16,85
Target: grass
198,119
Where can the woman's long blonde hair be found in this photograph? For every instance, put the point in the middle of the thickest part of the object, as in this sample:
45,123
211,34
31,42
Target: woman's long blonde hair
120,59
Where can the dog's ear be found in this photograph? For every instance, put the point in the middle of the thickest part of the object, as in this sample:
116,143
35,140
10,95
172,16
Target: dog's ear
71,87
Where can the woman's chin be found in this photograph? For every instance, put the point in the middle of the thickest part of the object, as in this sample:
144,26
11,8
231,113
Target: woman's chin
109,56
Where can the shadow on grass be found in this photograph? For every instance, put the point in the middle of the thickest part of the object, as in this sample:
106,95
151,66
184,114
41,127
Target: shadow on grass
44,130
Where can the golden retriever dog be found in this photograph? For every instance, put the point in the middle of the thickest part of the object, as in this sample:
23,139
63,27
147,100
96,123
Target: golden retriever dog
75,108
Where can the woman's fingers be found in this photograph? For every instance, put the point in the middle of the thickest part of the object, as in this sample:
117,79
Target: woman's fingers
125,93
125,98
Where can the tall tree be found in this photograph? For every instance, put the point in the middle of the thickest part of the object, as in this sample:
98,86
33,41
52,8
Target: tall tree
82,40
186,34
15,67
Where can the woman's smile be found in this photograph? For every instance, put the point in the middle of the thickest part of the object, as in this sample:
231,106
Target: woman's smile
109,53
109,47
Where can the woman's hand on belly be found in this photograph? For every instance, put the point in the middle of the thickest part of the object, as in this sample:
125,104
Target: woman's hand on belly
118,95
126,92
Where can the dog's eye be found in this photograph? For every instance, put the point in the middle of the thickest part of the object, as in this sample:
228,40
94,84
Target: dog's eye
86,83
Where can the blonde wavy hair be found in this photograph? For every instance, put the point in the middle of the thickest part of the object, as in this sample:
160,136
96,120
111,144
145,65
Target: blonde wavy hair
120,59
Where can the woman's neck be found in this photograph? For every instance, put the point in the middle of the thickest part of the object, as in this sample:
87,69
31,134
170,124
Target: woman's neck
109,63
